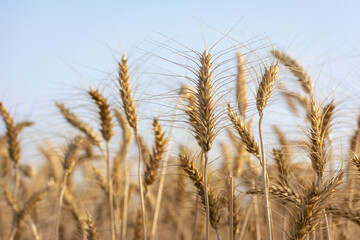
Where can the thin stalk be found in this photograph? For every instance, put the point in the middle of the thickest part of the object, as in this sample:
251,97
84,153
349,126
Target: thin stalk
217,234
244,226
17,182
58,211
328,230
231,208
111,195
207,208
163,174
195,218
265,179
141,187
257,225
126,194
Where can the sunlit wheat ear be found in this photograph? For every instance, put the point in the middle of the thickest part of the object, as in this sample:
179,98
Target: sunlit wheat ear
306,82
11,135
202,114
70,153
90,228
126,95
312,204
355,139
356,162
21,215
279,192
266,87
197,178
75,211
156,156
76,122
104,112
244,133
320,120
21,125
241,85
282,165
187,93
282,155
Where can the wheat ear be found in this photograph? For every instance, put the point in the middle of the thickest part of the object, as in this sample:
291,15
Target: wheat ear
244,133
13,145
21,215
312,204
299,72
241,85
157,154
198,180
76,122
90,228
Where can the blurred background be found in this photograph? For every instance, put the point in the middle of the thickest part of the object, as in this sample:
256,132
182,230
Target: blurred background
53,50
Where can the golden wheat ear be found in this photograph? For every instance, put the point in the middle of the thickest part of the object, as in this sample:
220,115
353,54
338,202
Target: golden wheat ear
104,113
156,156
196,177
266,87
241,85
312,204
126,95
246,137
76,122
306,82
90,228
11,135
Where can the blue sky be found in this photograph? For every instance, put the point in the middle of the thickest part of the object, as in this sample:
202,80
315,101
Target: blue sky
48,48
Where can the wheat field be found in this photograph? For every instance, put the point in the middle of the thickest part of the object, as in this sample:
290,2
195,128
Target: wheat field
240,176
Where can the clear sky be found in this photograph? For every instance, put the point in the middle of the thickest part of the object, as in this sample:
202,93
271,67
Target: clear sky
49,47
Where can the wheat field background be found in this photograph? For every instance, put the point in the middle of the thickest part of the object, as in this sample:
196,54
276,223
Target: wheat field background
179,120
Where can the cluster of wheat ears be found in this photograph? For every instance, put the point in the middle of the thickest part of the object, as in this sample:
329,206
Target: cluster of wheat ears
254,194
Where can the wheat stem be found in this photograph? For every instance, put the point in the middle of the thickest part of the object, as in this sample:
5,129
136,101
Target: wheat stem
328,230
17,182
110,192
61,198
126,194
207,208
265,179
231,208
243,229
141,187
